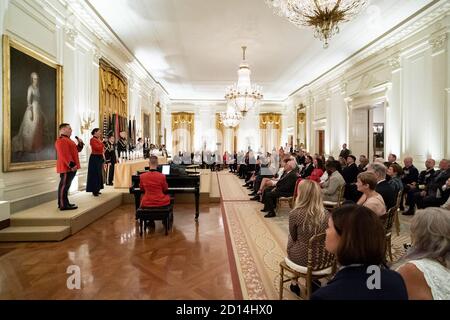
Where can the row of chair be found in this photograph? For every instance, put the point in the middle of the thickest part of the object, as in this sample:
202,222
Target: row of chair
322,264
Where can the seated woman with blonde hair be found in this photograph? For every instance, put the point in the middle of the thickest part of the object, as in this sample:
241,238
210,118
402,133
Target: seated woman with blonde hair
306,220
427,269
366,183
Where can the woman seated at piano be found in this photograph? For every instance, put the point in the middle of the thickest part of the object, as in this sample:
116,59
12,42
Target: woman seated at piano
154,185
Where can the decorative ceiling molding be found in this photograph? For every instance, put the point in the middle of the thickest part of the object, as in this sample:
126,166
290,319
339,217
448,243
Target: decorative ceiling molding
394,62
419,21
438,42
408,29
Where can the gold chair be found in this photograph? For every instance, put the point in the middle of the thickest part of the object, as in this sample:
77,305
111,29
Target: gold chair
321,264
333,205
396,218
388,220
289,200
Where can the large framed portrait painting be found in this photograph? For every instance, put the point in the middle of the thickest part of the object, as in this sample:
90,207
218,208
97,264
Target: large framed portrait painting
32,107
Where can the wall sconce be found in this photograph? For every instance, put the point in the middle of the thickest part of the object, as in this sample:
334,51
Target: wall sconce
87,120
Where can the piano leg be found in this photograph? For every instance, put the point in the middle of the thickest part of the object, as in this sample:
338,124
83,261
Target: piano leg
197,200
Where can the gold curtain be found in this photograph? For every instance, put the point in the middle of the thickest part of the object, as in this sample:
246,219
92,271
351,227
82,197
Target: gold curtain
301,127
113,93
270,127
182,132
228,136
158,124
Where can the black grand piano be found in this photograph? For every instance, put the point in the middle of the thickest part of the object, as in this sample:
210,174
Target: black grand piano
178,181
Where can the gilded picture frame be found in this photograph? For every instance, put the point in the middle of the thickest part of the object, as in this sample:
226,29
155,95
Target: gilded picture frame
32,107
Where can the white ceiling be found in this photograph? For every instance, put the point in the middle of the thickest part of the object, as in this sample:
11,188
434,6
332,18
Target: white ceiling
193,47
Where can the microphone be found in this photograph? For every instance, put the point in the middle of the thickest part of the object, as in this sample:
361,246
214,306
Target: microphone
79,140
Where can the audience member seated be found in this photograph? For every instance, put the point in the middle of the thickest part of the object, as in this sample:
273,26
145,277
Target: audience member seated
284,187
410,176
301,159
318,170
395,172
155,186
306,220
330,188
434,194
268,182
363,163
343,163
425,178
446,205
383,187
392,159
350,172
367,182
357,237
308,168
427,269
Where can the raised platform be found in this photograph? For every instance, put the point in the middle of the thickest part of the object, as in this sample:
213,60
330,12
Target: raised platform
46,222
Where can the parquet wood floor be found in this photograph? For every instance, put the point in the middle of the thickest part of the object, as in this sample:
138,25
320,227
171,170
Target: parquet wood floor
115,263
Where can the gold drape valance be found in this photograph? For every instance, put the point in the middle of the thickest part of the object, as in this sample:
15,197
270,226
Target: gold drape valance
113,92
183,121
266,119
158,124
182,118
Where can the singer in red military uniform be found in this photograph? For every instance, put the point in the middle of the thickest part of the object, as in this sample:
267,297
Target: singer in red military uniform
155,187
95,169
67,164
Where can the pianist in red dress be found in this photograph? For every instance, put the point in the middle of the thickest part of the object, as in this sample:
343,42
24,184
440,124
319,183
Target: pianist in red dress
155,186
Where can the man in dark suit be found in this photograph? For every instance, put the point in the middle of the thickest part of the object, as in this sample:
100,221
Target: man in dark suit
308,168
301,159
350,173
344,152
434,195
425,178
383,187
284,187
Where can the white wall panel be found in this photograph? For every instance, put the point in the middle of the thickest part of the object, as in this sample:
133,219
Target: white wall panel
417,105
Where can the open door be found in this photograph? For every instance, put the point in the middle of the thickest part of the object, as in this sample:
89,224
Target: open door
359,132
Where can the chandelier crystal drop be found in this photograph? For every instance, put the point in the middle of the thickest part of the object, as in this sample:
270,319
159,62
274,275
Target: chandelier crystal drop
322,15
243,95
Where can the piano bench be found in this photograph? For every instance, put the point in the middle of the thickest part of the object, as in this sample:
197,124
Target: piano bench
150,214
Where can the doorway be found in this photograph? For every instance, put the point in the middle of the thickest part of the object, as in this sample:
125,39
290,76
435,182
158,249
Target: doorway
377,128
320,138
367,131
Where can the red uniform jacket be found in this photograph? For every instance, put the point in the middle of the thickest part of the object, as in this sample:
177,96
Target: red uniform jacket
66,152
97,146
154,185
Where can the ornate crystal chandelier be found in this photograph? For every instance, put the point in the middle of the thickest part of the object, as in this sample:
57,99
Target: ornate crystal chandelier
243,94
230,118
322,15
